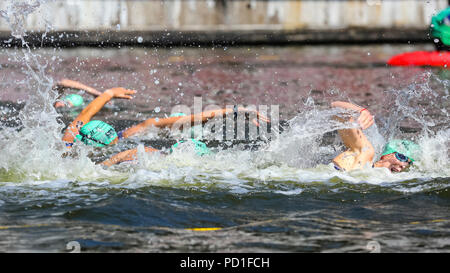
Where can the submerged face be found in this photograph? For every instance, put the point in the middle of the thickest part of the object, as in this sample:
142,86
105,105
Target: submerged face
391,162
72,100
60,104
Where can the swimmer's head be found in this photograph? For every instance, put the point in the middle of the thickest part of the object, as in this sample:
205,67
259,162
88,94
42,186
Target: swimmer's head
398,155
177,115
97,133
72,100
200,147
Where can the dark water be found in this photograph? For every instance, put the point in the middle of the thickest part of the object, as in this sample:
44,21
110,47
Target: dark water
255,202
324,218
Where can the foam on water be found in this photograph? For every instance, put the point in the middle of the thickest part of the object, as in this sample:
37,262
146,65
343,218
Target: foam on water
296,157
35,157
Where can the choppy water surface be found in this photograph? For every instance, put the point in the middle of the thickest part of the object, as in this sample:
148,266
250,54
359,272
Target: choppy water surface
268,196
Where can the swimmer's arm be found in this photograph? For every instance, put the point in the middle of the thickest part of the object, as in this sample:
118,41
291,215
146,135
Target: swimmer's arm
125,156
66,83
92,108
191,119
360,150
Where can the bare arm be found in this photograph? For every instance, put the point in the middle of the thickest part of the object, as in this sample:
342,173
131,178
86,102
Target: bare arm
191,119
66,83
360,150
92,108
125,156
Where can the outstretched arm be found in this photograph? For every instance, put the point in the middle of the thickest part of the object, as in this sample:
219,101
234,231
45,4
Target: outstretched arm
125,156
66,83
185,120
359,149
92,109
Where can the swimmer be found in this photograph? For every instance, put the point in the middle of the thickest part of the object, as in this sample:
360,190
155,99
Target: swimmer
72,100
397,155
98,133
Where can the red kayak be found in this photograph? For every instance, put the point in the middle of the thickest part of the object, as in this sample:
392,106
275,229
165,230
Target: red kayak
422,58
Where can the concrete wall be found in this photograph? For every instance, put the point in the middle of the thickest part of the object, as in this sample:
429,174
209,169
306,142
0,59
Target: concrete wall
190,22
148,15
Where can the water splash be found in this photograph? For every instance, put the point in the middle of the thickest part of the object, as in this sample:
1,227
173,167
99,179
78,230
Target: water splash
302,154
423,104
298,156
34,150
16,13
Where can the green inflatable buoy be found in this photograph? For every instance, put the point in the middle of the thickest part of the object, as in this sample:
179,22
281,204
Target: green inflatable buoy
440,27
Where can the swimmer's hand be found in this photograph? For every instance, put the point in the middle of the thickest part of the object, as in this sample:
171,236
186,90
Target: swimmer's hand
365,119
120,93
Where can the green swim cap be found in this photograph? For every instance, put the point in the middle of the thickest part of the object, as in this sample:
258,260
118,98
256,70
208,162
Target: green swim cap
440,27
200,147
403,146
97,133
75,99
177,115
